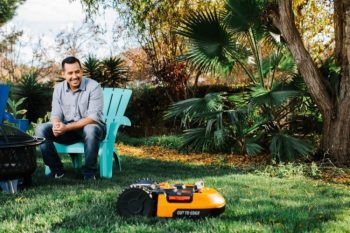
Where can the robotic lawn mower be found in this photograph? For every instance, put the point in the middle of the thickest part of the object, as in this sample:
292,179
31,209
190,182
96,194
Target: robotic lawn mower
164,200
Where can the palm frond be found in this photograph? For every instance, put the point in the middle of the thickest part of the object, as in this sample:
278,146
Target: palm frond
253,148
241,15
284,147
211,102
210,41
287,64
236,116
196,139
274,97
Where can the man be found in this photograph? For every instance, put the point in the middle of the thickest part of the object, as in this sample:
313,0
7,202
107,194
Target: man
76,116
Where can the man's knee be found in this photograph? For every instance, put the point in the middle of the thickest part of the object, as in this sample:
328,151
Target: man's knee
43,130
92,132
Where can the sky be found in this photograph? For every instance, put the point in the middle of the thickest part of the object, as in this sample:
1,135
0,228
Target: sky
46,18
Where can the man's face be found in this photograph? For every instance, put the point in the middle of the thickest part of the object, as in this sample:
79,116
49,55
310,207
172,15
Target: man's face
72,73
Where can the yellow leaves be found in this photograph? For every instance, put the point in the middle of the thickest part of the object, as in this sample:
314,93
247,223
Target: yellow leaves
21,200
159,153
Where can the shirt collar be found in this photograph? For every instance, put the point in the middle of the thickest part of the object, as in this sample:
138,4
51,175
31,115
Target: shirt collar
82,86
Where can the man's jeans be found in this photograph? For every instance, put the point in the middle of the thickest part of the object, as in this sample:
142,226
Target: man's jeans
91,135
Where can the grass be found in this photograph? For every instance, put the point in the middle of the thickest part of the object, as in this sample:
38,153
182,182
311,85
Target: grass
255,202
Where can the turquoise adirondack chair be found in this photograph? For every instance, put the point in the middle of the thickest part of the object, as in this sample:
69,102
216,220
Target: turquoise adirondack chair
115,103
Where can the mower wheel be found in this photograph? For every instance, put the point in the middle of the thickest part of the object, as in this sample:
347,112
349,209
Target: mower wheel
136,201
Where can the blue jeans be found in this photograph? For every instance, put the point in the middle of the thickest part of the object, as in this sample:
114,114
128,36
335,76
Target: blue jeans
91,135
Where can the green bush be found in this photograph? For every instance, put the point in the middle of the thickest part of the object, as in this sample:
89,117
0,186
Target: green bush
38,96
148,104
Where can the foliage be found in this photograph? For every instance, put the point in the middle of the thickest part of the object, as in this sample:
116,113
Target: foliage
283,170
13,107
315,22
36,94
113,72
148,103
92,67
258,116
7,9
72,41
165,141
40,120
285,147
154,22
291,169
109,72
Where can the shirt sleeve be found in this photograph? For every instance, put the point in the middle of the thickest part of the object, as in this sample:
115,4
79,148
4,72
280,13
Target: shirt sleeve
95,109
56,111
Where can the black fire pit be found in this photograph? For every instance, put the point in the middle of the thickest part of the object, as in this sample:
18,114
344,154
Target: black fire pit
17,154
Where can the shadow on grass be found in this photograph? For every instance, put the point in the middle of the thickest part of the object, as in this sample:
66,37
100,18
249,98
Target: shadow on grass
135,168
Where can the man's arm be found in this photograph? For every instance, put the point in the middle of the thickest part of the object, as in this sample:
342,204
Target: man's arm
56,109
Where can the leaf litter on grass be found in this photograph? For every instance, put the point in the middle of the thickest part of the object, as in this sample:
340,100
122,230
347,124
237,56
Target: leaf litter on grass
328,173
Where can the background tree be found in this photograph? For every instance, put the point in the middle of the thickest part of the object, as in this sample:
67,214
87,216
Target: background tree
8,9
7,40
153,23
73,41
110,72
333,104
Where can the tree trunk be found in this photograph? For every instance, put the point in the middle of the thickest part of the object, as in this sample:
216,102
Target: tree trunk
335,138
335,110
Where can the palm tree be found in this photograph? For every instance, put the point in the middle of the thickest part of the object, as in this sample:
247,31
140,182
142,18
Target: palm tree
218,41
92,67
114,72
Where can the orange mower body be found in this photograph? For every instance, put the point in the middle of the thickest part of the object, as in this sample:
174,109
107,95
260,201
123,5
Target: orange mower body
165,200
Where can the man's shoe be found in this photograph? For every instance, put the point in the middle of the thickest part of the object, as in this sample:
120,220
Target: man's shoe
89,177
55,175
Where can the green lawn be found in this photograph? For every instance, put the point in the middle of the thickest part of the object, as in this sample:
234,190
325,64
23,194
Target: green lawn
255,203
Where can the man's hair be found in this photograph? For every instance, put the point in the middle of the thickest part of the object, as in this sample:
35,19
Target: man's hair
70,60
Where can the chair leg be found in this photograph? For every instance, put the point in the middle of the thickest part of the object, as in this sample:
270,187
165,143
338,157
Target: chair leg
9,186
117,159
47,170
76,160
106,163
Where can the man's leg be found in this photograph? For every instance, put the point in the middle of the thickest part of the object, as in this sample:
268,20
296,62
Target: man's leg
48,149
93,134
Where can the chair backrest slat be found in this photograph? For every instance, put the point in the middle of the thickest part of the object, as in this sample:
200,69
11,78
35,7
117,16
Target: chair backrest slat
115,103
107,97
4,93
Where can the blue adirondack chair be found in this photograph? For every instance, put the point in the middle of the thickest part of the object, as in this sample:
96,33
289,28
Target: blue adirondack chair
4,93
115,103
22,124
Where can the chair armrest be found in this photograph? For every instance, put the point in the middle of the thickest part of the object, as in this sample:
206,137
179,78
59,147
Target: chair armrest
22,123
125,121
9,117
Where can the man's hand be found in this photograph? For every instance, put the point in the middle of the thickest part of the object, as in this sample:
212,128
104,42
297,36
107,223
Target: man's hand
59,128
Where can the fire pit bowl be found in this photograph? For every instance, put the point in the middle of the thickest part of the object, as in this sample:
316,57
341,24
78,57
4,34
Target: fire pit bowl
17,153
